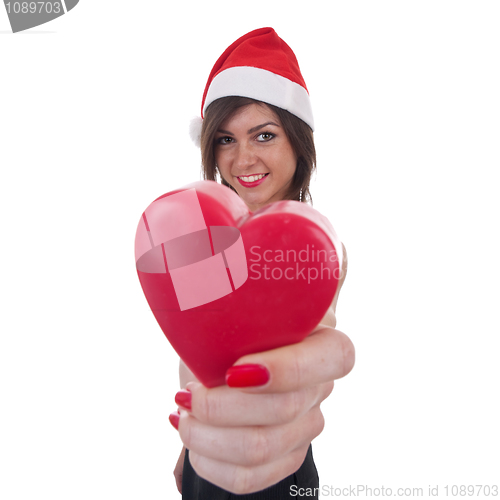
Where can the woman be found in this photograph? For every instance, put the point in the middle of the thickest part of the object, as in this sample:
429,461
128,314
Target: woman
252,437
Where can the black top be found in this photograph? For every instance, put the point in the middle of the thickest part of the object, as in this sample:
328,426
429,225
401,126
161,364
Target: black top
196,488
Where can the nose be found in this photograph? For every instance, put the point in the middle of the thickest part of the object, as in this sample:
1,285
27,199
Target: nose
245,156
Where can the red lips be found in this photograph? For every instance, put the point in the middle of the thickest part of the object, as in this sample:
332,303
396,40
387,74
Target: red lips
251,184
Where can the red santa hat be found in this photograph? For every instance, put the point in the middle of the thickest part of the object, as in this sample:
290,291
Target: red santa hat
261,66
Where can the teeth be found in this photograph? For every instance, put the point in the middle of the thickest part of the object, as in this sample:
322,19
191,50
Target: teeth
252,178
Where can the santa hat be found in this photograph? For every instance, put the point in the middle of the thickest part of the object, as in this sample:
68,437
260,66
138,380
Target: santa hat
261,66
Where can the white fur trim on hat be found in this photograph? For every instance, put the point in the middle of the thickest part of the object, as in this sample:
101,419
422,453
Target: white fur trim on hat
195,130
264,86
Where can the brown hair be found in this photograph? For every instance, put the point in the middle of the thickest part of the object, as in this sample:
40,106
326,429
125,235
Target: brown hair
298,133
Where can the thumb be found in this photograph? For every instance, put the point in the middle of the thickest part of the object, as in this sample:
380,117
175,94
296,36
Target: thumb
326,355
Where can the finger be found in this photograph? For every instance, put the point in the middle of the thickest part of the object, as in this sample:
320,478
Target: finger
249,446
326,355
242,480
223,406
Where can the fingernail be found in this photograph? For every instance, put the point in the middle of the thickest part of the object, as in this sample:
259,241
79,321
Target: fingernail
174,419
247,376
183,398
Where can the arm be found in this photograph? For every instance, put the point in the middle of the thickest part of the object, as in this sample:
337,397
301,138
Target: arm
329,319
185,375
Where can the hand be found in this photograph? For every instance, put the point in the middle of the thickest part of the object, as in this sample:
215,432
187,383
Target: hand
248,438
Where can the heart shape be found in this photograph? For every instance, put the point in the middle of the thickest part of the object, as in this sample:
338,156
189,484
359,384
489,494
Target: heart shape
223,282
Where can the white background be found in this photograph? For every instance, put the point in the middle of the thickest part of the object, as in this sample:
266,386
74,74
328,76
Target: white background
94,112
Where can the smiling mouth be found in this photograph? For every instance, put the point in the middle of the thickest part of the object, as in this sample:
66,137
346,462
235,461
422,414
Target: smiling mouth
252,178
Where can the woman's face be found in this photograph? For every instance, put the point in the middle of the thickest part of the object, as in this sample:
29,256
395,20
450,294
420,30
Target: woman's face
254,155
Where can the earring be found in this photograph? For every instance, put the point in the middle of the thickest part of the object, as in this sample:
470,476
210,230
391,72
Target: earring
300,195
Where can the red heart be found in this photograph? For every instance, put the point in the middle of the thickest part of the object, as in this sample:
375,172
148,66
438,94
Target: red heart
223,282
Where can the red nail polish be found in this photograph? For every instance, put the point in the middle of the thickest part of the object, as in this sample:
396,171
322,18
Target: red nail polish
247,376
174,419
183,398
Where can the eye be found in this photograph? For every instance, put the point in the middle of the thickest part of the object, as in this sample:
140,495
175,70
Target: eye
265,136
224,140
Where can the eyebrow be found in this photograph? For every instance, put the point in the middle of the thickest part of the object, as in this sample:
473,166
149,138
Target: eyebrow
258,127
250,131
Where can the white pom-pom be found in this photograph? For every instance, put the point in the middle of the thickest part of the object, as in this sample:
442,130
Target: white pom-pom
195,130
